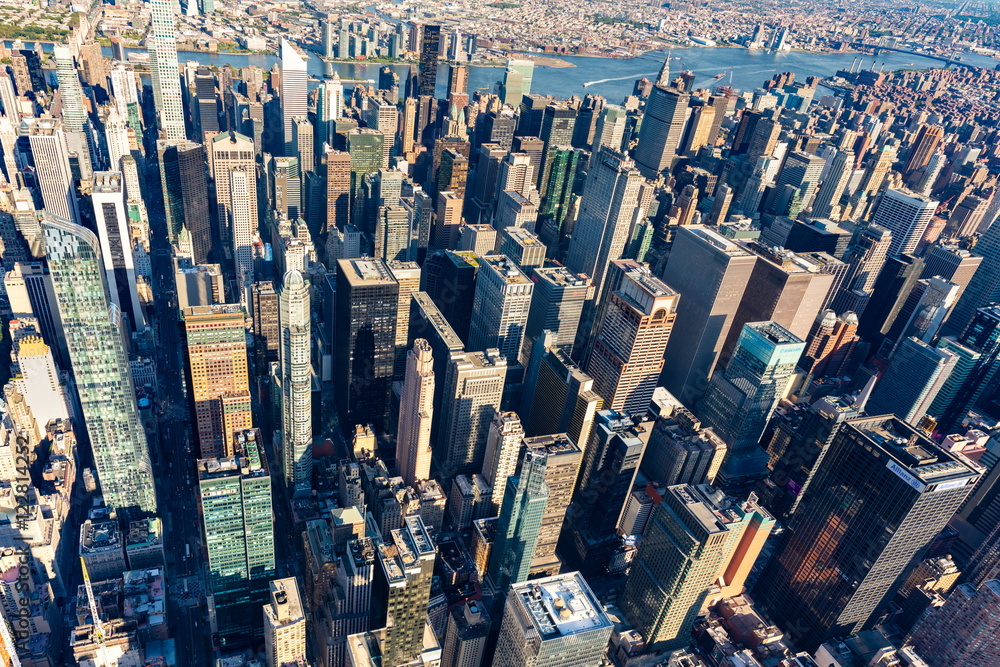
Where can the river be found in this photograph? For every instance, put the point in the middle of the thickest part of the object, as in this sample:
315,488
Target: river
613,77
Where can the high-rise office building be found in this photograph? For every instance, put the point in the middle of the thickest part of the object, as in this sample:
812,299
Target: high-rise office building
520,520
785,288
830,344
407,275
984,286
295,369
53,174
556,621
206,101
522,247
165,71
982,337
182,174
796,184
365,146
710,272
924,145
217,363
503,450
915,375
880,478
559,397
236,513
906,215
416,408
865,258
108,196
662,130
294,92
407,567
740,399
556,305
367,299
264,312
465,635
100,368
430,49
228,152
500,308
608,209
628,356
284,624
473,388
242,208
681,450
611,462
561,471
687,541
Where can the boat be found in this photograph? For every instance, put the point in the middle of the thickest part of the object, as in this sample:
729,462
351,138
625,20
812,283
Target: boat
719,76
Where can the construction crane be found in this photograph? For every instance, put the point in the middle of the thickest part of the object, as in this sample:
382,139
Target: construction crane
98,635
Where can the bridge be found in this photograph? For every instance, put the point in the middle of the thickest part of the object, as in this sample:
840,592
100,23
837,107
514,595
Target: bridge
876,49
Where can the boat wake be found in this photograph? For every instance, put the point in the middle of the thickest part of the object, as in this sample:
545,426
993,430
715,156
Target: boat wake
618,78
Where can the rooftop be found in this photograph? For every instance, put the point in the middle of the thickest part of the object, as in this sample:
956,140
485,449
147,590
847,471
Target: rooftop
366,271
774,332
555,444
562,605
562,276
507,269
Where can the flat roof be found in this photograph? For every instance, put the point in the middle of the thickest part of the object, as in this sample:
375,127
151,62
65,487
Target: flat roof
562,605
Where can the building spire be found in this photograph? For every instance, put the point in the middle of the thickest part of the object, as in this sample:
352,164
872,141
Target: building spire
664,77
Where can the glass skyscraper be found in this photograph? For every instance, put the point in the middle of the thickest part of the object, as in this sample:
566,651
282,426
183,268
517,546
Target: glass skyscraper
880,495
740,399
520,520
100,367
239,536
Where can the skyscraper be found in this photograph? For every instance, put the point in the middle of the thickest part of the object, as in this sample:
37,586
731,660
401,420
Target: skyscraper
628,356
556,305
662,130
785,288
982,336
236,513
473,388
710,272
878,478
295,368
365,340
407,567
915,375
561,470
865,258
284,624
607,212
294,92
53,175
984,286
553,622
100,367
413,437
430,49
217,363
465,635
500,308
740,399
242,209
687,541
906,215
164,70
503,450
407,274
182,174
107,194
520,520
228,152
